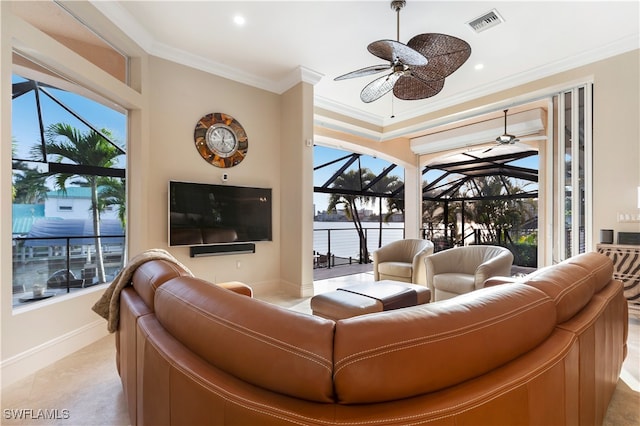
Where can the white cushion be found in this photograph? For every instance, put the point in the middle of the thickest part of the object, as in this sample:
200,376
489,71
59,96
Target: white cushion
454,282
396,269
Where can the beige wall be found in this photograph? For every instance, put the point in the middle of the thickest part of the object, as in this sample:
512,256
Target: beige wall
616,141
178,98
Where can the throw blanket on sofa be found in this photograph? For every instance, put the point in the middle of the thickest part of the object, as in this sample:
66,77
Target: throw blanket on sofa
108,306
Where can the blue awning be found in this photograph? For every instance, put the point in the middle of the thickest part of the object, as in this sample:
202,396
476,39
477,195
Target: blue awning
23,217
110,231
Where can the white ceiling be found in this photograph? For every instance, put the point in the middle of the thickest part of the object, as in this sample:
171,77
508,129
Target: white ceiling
282,41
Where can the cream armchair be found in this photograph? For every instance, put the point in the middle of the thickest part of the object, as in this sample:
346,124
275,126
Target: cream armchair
402,260
463,269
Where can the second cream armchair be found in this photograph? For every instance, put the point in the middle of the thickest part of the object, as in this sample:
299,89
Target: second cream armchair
461,270
402,260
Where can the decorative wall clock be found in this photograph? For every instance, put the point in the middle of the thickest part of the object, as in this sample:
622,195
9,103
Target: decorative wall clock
221,140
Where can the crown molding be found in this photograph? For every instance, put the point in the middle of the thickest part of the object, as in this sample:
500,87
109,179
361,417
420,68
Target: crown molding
348,128
130,26
298,75
127,23
212,67
348,111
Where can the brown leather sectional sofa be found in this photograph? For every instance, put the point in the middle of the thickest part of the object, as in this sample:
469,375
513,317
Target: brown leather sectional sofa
544,351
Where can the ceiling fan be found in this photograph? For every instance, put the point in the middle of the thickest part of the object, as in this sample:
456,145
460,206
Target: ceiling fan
505,138
417,69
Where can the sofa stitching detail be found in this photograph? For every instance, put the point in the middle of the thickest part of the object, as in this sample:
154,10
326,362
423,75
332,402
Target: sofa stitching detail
603,307
223,393
457,332
175,269
504,388
566,290
295,350
417,419
423,340
147,277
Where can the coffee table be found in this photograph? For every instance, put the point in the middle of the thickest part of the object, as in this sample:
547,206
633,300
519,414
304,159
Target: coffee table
365,298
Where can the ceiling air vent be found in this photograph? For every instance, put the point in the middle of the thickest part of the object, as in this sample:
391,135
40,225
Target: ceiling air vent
486,21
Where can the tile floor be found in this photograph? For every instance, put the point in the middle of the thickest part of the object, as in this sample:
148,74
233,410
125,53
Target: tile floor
84,388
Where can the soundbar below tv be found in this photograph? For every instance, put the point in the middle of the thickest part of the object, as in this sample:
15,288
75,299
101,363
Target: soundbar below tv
205,214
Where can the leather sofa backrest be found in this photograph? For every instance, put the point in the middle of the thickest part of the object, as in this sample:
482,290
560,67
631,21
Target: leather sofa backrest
599,266
408,352
570,285
268,346
151,275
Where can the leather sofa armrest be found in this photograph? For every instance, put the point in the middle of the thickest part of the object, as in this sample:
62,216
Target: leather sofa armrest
237,287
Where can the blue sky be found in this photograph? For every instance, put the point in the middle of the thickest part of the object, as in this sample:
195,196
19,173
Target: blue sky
322,155
25,127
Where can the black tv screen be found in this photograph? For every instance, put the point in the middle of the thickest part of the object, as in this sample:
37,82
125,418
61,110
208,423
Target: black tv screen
202,214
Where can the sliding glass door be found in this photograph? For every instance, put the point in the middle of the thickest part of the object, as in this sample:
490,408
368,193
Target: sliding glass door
573,171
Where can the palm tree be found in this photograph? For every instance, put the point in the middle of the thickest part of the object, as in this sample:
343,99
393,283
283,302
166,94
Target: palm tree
113,193
352,182
499,214
29,184
387,185
88,149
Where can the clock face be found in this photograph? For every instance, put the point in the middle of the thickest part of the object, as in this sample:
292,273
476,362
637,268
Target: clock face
221,140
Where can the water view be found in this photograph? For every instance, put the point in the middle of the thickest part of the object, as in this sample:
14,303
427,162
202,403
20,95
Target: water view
341,239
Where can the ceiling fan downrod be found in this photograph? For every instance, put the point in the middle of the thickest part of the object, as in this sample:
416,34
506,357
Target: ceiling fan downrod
397,5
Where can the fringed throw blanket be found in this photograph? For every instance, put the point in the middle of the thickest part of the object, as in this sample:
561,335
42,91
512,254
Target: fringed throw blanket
108,306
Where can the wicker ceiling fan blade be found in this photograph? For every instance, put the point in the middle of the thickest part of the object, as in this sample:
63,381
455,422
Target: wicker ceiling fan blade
374,69
379,87
410,88
445,53
394,51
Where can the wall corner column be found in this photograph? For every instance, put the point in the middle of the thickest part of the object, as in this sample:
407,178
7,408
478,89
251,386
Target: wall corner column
296,183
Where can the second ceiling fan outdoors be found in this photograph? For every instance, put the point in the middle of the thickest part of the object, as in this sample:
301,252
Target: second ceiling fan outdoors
509,139
417,69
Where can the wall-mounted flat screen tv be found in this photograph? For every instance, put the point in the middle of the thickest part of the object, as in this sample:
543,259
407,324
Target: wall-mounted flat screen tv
202,214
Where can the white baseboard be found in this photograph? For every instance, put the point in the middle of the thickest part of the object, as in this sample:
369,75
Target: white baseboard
28,362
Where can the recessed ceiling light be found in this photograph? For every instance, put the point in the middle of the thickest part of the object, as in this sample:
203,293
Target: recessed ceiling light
479,66
239,20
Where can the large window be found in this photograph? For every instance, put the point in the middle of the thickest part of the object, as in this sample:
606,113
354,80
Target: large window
69,158
358,204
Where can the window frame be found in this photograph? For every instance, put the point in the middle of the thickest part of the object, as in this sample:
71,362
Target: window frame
64,65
